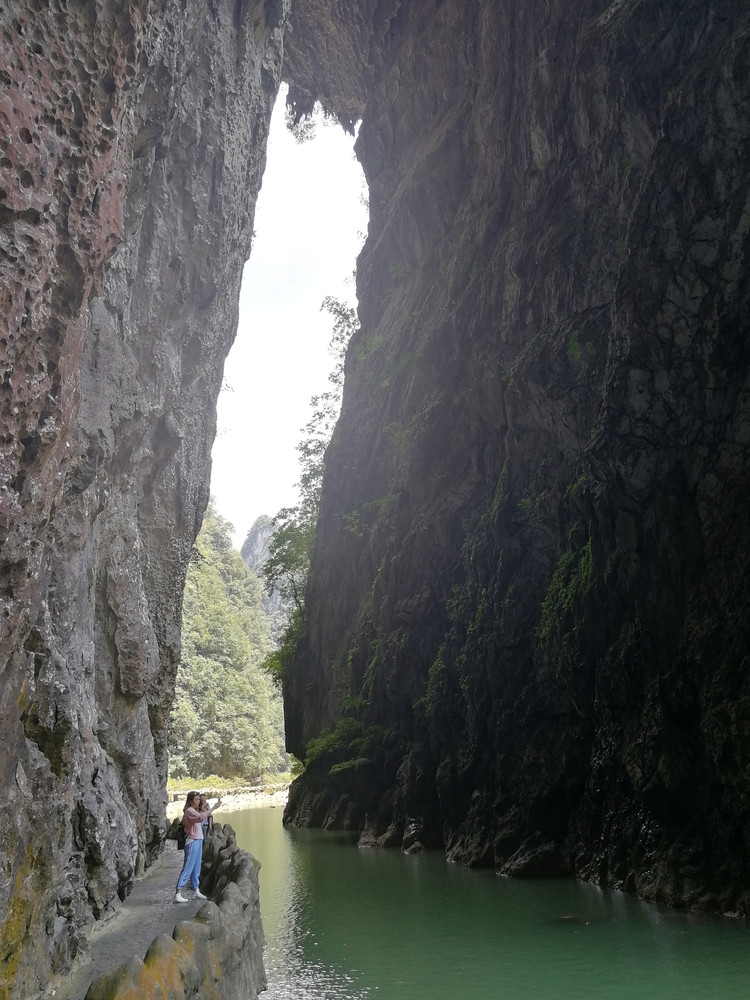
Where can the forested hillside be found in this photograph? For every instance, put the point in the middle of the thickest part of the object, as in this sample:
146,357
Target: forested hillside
227,718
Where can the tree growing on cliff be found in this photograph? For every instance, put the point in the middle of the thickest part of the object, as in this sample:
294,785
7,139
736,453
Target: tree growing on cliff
227,718
294,527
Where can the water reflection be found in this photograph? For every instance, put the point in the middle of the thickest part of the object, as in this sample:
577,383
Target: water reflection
298,895
347,924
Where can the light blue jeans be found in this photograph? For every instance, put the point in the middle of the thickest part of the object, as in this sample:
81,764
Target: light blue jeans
191,868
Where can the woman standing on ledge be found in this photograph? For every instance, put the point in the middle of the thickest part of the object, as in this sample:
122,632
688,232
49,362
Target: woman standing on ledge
192,819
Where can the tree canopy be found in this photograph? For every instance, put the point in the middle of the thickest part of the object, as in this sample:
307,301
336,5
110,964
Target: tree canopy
227,718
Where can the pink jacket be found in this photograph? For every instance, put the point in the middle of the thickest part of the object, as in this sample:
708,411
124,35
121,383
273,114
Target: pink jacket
192,820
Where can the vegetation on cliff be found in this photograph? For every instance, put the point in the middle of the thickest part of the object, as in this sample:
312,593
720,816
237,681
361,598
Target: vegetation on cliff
286,569
227,719
531,555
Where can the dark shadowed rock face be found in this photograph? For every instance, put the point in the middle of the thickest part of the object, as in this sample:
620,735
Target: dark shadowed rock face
133,141
529,607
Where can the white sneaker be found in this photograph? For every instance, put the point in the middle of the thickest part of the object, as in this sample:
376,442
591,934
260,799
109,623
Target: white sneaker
199,895
179,898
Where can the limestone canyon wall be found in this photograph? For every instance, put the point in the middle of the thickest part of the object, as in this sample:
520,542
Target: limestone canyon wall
528,609
133,142
527,615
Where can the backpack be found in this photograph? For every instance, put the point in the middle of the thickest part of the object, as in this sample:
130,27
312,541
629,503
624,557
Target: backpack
181,836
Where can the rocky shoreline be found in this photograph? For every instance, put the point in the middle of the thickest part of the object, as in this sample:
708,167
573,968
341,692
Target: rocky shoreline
194,950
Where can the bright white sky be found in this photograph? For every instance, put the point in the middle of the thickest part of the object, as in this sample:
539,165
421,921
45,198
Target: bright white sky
310,223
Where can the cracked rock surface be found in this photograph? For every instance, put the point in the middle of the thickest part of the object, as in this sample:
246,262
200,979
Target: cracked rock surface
527,619
132,143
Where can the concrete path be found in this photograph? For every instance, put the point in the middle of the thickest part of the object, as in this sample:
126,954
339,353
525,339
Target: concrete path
148,911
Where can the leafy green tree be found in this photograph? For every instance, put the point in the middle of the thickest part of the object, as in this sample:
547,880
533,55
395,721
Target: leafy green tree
294,527
227,718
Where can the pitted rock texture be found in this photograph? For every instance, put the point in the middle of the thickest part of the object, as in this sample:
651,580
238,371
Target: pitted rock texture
132,143
217,953
528,615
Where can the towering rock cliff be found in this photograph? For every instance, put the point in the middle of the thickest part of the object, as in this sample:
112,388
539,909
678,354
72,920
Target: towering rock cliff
528,609
528,615
132,145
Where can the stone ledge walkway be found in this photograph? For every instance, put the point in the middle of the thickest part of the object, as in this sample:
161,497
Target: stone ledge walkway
148,911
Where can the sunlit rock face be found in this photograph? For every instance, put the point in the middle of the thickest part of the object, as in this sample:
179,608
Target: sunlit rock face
132,142
255,553
529,610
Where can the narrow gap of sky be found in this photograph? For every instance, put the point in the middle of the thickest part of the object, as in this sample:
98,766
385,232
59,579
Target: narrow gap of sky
310,223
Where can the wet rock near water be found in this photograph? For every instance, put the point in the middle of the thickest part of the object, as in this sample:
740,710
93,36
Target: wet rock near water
535,860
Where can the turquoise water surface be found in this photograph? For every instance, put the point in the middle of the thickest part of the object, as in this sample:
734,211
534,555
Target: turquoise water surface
349,924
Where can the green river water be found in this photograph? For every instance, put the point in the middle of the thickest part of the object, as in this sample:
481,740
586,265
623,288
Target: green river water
349,924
